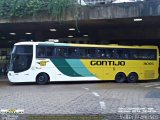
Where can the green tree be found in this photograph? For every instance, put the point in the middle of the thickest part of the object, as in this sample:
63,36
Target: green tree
22,8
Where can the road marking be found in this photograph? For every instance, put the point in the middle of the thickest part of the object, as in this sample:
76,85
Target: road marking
102,104
157,87
85,88
152,85
96,94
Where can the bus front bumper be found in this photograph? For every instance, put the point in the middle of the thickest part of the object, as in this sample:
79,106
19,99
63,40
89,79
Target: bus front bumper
11,76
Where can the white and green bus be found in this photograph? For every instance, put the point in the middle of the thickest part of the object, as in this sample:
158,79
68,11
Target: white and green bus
43,62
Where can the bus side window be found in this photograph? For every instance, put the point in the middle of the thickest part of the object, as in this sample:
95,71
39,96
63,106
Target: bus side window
119,53
109,53
138,54
123,53
91,53
82,52
73,52
41,52
62,52
101,53
134,54
50,52
142,54
151,54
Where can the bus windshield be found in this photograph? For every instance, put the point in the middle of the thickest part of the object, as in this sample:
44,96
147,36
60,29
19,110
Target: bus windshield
21,58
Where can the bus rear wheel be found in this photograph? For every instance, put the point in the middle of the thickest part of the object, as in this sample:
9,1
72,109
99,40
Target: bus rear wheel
42,79
120,77
132,77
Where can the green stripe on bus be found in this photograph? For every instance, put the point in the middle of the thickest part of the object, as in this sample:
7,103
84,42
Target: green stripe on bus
65,68
78,67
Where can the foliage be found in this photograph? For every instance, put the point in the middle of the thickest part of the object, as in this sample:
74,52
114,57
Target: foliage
22,8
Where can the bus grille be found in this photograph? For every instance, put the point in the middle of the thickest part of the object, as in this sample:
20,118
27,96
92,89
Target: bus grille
149,74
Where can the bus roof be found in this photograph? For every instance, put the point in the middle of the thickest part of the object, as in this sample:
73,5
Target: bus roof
87,45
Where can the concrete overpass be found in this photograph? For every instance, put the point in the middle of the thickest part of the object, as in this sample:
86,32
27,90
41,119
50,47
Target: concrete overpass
122,23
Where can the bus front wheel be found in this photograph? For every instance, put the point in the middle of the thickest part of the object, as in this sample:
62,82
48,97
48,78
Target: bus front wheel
120,77
132,77
42,79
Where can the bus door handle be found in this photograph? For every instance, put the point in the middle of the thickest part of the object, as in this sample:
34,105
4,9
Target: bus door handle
16,74
26,74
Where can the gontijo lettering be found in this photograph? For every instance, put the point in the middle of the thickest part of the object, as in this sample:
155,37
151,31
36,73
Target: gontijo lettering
107,63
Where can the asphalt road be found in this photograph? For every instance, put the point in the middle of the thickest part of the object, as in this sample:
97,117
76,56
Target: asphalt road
81,98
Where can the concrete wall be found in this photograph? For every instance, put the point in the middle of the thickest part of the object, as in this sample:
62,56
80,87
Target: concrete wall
121,10
107,11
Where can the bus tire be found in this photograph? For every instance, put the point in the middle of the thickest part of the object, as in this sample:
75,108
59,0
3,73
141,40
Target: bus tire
42,79
132,77
120,77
